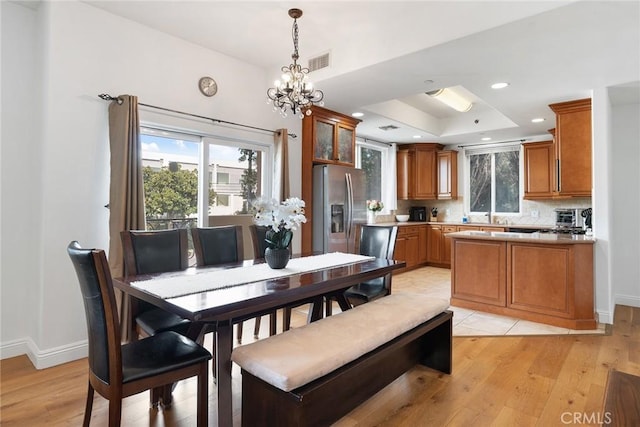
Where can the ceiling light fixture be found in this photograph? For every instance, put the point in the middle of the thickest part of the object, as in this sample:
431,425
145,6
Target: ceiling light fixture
357,114
486,138
500,85
417,136
294,91
451,99
537,120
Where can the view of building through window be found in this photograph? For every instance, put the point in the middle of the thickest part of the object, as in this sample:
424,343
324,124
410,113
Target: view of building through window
494,182
171,170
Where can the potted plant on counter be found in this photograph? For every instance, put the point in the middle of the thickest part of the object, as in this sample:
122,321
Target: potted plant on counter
373,207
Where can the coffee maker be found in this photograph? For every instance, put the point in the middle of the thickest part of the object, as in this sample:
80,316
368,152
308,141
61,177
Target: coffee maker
418,213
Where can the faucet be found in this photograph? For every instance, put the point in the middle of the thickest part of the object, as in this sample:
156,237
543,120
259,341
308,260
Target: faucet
488,214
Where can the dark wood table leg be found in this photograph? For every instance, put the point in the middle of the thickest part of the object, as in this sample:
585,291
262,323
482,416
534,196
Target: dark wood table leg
272,323
224,338
315,312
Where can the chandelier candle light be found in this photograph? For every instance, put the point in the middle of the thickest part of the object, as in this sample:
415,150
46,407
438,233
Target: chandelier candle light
294,91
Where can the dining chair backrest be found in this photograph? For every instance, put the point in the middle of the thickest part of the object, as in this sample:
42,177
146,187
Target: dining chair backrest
258,236
218,245
103,332
147,252
378,241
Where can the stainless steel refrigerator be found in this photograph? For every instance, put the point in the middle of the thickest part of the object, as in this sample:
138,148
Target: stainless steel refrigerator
339,204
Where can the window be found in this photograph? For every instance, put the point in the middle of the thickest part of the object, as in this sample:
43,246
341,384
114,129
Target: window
494,180
378,162
182,190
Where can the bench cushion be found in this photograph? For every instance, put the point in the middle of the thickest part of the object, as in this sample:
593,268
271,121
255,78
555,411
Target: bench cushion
301,355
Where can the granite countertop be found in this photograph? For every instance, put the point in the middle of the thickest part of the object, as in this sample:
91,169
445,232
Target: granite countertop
549,238
469,224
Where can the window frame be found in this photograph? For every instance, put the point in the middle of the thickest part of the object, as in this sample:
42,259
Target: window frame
205,139
388,168
468,152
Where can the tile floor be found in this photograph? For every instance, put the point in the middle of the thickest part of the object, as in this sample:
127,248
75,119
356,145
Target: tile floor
437,282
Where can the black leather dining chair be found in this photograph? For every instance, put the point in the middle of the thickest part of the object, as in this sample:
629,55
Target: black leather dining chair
379,242
148,252
221,245
119,370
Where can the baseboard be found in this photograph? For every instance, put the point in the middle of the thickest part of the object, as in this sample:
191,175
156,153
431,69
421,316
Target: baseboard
604,317
629,300
43,359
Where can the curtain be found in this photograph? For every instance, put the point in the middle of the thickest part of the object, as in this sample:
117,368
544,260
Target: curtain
126,195
281,165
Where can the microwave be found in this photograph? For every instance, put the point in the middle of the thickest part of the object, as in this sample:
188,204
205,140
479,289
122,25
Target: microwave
569,217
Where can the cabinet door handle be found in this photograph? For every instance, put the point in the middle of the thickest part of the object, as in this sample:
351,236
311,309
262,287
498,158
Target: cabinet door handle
558,174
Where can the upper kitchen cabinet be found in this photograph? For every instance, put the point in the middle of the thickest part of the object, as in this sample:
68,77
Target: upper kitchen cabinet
573,148
417,169
539,170
447,175
332,136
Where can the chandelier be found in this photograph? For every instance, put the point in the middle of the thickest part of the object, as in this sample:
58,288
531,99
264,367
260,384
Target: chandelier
294,91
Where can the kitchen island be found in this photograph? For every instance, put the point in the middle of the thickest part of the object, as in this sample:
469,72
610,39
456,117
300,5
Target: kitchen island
541,277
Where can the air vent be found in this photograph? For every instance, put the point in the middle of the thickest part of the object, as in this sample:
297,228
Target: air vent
388,127
319,62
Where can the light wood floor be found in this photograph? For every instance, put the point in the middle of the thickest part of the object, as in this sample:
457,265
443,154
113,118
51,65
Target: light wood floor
496,381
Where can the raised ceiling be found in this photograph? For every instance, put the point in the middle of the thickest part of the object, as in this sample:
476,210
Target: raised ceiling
384,55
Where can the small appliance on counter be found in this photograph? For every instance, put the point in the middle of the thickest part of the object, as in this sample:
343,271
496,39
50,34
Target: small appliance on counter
417,213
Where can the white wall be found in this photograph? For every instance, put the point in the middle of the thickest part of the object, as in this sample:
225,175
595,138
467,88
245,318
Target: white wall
55,167
625,195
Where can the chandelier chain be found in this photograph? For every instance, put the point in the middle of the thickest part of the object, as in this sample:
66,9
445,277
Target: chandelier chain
294,92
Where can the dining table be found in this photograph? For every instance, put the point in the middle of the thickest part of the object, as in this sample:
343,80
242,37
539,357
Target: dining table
221,296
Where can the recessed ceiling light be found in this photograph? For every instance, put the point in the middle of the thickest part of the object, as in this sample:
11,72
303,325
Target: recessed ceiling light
537,120
486,138
500,85
417,136
357,114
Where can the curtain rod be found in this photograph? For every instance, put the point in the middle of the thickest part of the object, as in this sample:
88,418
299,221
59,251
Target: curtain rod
373,140
108,97
490,144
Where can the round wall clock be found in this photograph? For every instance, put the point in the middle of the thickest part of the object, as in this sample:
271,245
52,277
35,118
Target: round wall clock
208,86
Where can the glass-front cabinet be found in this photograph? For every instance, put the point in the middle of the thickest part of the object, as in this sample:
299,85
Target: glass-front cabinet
332,135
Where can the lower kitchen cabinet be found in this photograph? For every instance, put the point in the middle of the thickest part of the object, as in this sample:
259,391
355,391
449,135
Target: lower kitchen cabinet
481,277
439,245
555,289
407,246
411,246
549,282
434,243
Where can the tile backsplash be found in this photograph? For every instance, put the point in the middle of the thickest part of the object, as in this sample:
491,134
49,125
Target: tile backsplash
453,210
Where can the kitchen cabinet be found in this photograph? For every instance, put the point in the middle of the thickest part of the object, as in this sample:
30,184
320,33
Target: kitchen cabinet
417,171
539,170
447,174
573,148
446,244
332,136
439,245
327,137
422,244
547,280
434,243
478,272
407,246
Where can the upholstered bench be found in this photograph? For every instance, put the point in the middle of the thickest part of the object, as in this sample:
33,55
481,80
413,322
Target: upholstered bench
316,374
